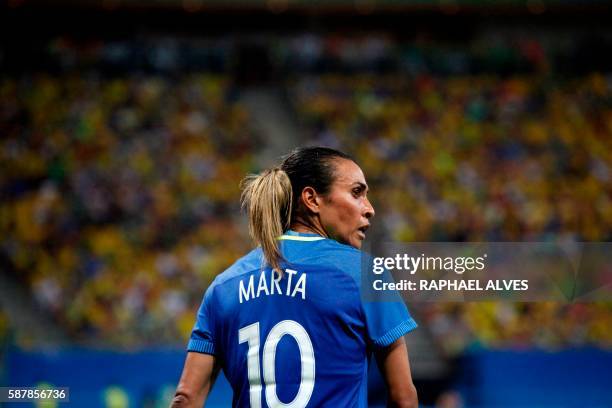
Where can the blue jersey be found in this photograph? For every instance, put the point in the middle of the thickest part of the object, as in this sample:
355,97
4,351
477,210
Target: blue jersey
302,340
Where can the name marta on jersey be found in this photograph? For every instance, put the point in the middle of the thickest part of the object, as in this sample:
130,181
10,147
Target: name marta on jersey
295,285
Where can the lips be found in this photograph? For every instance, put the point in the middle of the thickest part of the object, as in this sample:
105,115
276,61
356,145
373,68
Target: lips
362,230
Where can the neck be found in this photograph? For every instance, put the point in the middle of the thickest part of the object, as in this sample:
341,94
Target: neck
304,226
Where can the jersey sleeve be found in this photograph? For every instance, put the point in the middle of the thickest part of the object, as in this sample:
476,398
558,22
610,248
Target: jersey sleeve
202,335
386,315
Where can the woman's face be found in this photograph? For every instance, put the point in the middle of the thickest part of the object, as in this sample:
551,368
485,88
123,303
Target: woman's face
345,210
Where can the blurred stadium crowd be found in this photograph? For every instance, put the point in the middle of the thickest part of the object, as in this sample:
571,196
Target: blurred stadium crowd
119,197
120,182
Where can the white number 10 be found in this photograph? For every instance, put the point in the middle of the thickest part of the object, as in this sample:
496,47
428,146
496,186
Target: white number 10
250,334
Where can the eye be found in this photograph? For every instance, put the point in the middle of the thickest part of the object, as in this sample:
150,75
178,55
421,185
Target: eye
357,192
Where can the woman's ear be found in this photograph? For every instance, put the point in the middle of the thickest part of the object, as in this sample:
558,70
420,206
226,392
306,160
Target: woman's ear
311,199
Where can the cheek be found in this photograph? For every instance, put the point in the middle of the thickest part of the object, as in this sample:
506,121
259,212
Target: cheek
348,214
342,216
335,218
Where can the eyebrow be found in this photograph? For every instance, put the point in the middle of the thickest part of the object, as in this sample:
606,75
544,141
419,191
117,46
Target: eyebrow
362,185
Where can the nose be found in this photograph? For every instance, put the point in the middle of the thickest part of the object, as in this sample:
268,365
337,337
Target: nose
369,209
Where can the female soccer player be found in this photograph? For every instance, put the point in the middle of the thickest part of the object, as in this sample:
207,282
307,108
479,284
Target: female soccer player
288,323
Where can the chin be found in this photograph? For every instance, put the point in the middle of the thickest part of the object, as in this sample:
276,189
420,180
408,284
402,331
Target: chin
355,242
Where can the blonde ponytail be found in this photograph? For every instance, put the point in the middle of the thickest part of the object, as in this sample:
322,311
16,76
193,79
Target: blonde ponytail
267,198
